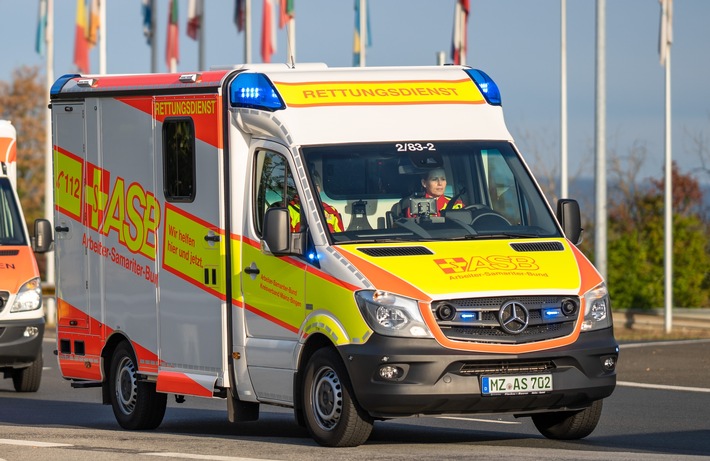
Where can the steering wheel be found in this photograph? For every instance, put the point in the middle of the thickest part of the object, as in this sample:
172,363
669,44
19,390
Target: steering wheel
484,218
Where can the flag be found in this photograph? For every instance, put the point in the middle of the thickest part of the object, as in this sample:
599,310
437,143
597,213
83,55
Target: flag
41,38
268,32
172,47
356,37
287,12
92,31
147,8
194,18
81,46
665,36
239,17
459,42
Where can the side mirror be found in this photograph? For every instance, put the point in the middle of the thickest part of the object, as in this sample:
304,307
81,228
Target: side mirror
571,220
277,230
42,241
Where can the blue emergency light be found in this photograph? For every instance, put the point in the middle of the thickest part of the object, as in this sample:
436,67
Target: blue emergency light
255,91
488,87
549,314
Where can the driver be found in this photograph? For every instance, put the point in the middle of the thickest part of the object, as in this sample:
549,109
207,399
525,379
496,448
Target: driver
434,184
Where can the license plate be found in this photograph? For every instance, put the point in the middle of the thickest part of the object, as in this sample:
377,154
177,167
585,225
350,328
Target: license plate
516,385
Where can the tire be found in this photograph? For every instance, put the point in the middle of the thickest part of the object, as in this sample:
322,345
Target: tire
332,416
136,404
569,425
28,379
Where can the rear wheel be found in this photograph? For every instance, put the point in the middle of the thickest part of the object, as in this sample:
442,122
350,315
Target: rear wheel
332,416
136,404
28,379
569,425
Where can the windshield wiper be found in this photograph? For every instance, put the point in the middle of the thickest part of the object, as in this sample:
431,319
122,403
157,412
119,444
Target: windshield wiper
346,242
503,234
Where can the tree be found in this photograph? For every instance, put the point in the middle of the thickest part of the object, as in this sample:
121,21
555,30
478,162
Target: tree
22,101
636,241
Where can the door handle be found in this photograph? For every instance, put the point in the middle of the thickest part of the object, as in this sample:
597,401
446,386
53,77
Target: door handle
212,238
252,270
61,228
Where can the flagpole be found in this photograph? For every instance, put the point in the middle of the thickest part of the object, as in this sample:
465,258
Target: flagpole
363,31
102,36
247,31
201,40
48,149
666,19
153,39
462,29
563,99
600,234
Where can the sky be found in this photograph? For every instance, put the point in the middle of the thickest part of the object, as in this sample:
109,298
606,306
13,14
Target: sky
516,42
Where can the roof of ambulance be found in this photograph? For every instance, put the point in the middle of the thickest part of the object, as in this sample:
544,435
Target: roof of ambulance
329,120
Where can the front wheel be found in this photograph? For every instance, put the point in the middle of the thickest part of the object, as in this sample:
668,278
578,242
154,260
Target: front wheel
332,416
569,425
28,379
136,404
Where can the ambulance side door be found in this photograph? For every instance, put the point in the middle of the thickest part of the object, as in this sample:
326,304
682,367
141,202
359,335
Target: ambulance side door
273,286
71,239
192,273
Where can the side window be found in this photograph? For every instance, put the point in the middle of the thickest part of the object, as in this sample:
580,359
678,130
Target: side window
274,187
502,187
179,160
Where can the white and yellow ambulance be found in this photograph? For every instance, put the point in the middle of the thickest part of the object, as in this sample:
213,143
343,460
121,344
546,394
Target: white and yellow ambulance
21,314
263,234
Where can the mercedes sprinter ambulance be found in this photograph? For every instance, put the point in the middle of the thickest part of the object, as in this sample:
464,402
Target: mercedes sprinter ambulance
262,235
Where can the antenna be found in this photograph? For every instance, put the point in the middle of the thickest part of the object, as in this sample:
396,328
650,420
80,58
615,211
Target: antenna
291,40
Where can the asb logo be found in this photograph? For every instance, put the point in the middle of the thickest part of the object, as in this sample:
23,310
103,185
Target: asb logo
460,265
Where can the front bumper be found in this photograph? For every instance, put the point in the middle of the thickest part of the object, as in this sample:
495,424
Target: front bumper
16,349
436,380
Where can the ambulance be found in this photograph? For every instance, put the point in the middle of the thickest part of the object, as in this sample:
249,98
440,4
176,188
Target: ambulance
21,314
261,234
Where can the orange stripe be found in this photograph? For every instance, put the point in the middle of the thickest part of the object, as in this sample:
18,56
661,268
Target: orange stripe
588,274
382,279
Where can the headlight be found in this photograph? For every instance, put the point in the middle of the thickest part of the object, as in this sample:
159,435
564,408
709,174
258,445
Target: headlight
391,315
597,309
29,297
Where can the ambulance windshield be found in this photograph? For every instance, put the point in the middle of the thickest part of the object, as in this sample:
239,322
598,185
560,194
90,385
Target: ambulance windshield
420,190
11,230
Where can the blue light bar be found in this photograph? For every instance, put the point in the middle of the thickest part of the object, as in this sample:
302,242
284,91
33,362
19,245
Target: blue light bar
61,81
255,91
467,316
488,87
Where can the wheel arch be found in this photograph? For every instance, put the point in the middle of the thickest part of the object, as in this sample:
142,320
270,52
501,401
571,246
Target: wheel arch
106,353
312,344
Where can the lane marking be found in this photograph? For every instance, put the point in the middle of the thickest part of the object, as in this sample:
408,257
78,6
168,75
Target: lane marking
32,443
664,343
662,387
478,420
209,457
